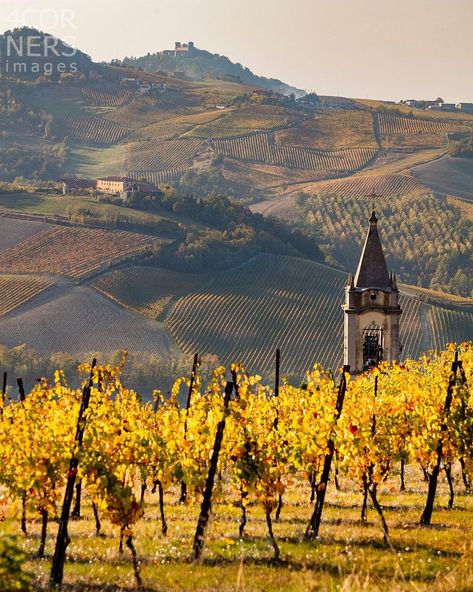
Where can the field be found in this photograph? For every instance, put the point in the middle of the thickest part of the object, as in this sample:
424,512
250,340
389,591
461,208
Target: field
267,449
348,557
453,176
394,125
14,231
16,290
93,162
94,130
159,177
238,123
161,156
271,302
260,148
68,207
363,186
447,323
416,133
106,97
153,122
79,321
331,130
72,251
265,176
146,290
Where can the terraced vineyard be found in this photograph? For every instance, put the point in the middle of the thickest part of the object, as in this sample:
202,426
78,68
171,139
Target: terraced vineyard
362,187
238,124
395,125
261,148
94,130
73,251
16,290
13,231
161,156
79,321
331,129
450,325
147,290
159,177
107,98
274,301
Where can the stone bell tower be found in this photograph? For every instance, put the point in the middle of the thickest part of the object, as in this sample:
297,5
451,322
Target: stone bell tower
371,309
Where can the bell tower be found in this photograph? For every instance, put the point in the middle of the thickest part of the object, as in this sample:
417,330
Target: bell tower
371,309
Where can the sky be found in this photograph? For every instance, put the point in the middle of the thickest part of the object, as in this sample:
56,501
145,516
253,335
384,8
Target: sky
356,48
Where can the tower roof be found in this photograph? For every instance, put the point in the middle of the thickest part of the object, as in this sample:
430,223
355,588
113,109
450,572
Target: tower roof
372,270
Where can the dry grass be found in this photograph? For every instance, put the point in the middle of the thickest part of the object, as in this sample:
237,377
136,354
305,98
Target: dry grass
348,556
332,130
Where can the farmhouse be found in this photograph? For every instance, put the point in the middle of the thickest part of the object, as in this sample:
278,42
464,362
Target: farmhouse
467,107
77,186
336,103
123,186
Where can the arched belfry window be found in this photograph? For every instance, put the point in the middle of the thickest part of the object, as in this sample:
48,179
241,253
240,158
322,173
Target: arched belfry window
372,345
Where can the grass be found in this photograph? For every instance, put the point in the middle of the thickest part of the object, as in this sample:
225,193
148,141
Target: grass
332,130
94,162
348,556
63,205
404,163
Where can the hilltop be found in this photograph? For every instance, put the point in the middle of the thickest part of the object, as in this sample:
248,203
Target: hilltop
199,64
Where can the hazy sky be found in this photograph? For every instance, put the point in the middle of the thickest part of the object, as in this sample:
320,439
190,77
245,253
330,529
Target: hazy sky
357,48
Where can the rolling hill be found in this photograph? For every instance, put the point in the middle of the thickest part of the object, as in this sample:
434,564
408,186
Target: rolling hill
199,64
190,270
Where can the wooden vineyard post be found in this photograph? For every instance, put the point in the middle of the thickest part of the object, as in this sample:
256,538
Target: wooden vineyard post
312,530
276,382
195,362
276,377
21,393
21,389
4,387
276,422
207,499
426,517
62,541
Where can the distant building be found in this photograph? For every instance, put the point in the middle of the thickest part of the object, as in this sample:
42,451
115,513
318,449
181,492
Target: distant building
467,107
123,186
180,49
414,103
129,81
233,78
71,186
336,103
442,107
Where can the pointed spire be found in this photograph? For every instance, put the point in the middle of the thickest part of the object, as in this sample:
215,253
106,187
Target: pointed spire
394,282
372,270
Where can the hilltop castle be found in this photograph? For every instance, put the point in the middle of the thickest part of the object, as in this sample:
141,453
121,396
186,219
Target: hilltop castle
180,49
371,309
